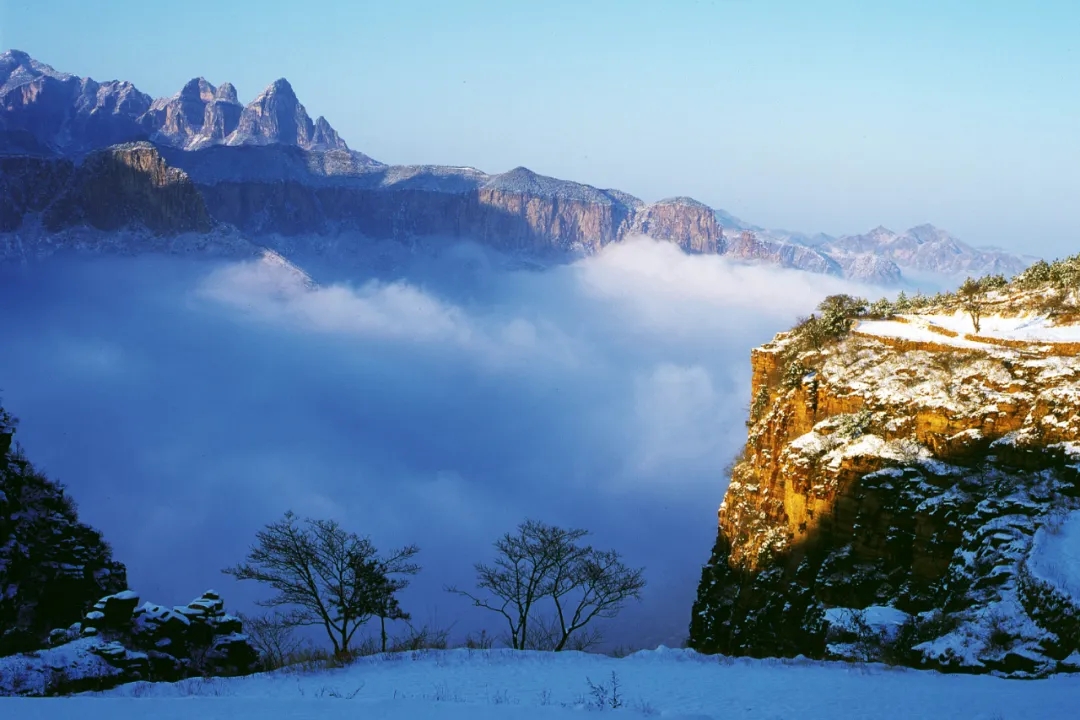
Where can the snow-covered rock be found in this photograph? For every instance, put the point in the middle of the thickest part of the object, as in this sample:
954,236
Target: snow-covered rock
910,467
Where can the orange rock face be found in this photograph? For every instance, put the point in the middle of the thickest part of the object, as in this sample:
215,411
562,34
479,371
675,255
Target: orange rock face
862,478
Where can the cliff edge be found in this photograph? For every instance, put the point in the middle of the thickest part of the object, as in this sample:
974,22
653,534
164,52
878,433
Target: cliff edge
908,489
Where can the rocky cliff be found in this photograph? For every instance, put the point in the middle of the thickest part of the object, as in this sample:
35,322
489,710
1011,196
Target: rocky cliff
128,185
52,567
692,225
903,477
120,641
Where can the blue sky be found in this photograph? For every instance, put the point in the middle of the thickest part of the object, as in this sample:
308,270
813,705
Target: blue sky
832,116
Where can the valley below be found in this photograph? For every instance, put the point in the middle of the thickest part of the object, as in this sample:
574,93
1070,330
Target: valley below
436,400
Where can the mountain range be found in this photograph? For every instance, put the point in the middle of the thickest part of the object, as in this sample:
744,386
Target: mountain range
78,156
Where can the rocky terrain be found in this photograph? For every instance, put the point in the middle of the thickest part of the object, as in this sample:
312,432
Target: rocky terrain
52,567
909,484
79,157
66,617
120,641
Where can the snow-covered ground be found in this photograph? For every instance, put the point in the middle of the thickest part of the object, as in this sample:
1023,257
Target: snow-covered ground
505,684
926,328
1055,555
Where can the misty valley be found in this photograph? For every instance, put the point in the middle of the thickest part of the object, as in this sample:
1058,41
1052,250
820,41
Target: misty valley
287,431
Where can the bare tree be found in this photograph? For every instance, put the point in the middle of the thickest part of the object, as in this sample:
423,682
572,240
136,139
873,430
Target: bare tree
272,635
971,300
595,586
322,574
542,562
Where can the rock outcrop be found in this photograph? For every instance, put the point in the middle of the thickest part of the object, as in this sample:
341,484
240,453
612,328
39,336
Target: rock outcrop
749,246
52,567
690,224
120,641
892,483
197,116
129,186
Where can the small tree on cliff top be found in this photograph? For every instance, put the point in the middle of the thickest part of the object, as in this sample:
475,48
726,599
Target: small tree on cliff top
838,312
971,300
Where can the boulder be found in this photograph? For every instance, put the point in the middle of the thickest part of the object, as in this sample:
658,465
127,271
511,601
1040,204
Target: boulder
154,642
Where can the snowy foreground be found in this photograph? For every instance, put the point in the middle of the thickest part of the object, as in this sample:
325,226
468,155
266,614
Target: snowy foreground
956,329
1055,555
504,684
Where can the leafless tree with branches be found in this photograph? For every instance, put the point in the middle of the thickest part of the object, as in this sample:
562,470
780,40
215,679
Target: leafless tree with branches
272,635
542,563
325,576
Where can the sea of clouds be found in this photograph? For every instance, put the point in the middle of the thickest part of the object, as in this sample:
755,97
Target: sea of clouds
435,397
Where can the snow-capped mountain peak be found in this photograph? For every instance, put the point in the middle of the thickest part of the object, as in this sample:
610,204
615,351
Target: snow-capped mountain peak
18,68
276,116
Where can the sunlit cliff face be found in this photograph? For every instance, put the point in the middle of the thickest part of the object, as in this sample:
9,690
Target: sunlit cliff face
907,464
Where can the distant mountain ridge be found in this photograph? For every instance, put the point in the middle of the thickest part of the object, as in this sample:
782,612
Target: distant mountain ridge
69,115
269,170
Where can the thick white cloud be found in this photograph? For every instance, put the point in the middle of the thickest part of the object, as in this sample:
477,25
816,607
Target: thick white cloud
187,403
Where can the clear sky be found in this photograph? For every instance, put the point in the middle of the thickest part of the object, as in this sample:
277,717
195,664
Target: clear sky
828,115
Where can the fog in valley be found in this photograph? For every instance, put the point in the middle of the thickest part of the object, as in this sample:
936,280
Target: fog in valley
436,400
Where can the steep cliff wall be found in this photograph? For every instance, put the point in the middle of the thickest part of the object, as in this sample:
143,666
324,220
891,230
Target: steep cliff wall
125,186
130,185
899,470
501,219
688,223
29,185
271,190
52,567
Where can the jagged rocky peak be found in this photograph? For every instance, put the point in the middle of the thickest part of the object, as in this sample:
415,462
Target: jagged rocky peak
18,68
927,233
14,58
277,117
55,113
325,137
198,89
190,104
197,116
881,232
226,92
908,486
